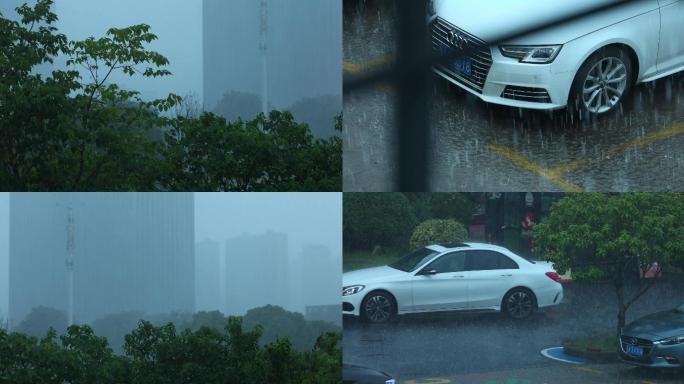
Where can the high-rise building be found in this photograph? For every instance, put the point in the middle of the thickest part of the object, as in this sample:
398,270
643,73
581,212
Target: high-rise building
208,295
128,251
262,275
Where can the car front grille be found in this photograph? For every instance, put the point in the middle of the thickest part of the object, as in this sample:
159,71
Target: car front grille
535,95
646,345
480,55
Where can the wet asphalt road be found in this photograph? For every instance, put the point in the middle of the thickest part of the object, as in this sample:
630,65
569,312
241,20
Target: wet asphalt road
481,147
478,347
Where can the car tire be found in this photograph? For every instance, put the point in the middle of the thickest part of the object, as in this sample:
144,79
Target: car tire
601,83
519,303
378,307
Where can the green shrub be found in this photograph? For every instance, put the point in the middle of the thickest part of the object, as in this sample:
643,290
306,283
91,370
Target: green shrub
437,231
372,219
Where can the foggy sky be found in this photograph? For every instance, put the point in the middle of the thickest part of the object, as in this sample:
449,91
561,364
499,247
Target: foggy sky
307,218
302,65
177,24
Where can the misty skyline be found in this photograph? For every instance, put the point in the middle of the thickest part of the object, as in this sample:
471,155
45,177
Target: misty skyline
306,218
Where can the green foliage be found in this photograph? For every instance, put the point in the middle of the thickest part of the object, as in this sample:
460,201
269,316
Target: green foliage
610,236
76,130
264,154
278,323
457,206
437,231
160,354
372,219
42,318
595,233
387,220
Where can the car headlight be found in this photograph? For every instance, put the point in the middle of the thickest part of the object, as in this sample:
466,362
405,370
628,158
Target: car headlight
390,381
531,54
671,340
352,289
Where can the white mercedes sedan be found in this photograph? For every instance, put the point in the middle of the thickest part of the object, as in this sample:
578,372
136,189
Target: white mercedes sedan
452,277
588,64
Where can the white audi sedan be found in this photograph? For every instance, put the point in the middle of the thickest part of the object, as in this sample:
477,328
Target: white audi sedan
588,64
452,277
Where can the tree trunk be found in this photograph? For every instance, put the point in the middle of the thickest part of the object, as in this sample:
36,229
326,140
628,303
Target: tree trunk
622,312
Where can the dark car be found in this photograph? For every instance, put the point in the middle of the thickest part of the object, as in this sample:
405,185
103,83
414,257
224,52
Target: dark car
354,374
656,340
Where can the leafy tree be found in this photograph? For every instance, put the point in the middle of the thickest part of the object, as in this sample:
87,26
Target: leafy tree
457,206
277,323
161,354
73,129
372,219
42,318
63,132
437,231
264,154
609,236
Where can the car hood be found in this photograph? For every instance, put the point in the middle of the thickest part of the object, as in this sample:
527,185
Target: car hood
490,20
662,325
371,275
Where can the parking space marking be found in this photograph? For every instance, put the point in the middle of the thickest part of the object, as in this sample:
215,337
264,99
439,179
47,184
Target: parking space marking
350,68
553,175
651,138
587,369
557,174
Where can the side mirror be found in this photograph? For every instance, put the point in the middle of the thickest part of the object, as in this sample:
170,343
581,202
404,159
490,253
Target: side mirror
428,272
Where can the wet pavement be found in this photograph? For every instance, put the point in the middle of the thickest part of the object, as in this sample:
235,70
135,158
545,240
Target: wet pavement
490,348
479,147
559,373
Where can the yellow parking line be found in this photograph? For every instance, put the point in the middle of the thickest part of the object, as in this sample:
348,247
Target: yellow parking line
358,68
587,369
551,175
555,175
649,139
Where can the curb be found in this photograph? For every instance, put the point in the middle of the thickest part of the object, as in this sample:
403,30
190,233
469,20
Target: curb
595,356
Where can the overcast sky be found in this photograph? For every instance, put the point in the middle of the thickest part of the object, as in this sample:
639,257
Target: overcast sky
307,218
177,24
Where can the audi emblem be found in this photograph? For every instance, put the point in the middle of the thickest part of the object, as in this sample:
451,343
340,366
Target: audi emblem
457,39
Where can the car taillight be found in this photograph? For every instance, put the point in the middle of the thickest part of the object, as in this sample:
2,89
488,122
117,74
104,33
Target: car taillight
553,276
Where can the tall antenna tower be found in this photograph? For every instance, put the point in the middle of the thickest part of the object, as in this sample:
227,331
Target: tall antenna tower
71,248
263,46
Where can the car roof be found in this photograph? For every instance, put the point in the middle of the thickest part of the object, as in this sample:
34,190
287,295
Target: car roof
443,247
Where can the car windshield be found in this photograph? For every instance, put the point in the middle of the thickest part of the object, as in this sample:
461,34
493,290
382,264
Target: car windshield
680,309
414,260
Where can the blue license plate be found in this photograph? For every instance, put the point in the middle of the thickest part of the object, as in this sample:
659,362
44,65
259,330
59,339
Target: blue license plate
634,350
464,65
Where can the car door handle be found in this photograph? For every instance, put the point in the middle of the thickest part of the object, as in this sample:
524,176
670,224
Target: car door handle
509,275
458,276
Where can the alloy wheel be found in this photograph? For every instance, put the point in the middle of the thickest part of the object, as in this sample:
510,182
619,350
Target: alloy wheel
519,304
605,84
378,309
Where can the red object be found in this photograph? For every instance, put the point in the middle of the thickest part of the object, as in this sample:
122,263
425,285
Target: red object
528,223
554,276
